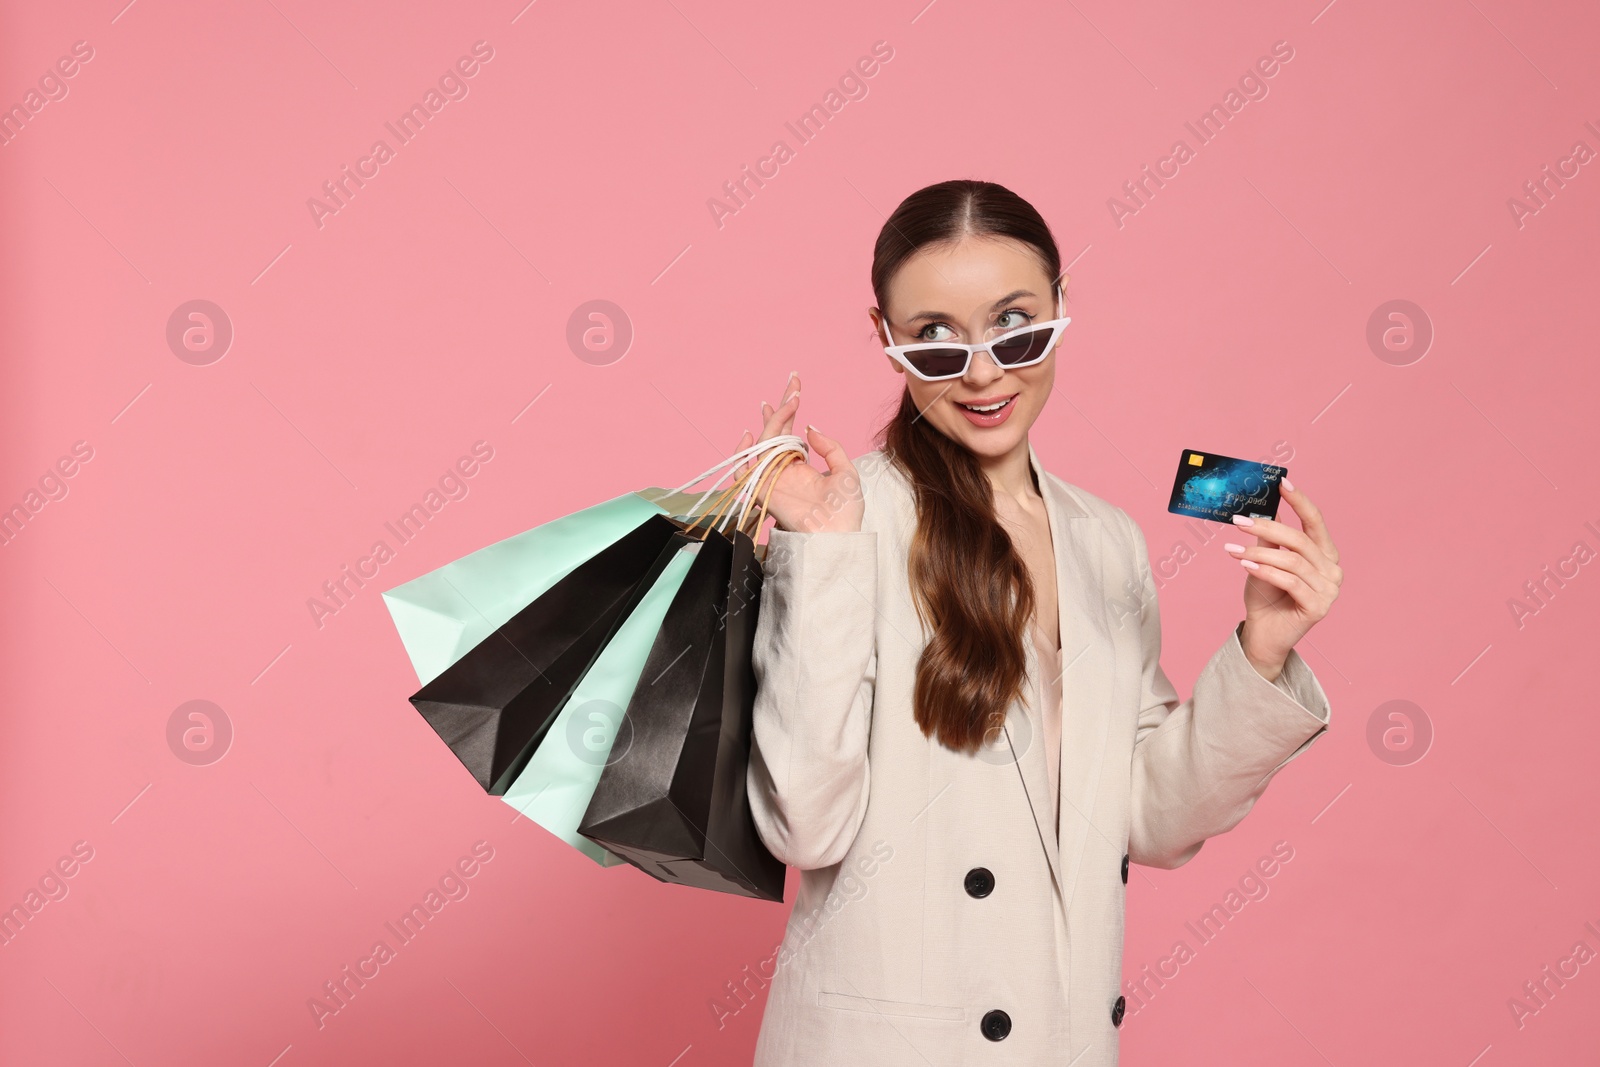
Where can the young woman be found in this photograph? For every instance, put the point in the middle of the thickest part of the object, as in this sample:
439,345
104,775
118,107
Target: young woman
963,734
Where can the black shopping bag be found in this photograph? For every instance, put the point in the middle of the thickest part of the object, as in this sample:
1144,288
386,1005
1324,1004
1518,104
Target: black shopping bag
494,704
674,804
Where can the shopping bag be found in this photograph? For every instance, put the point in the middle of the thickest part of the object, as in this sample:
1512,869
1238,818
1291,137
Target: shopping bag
499,637
674,803
444,613
493,704
554,786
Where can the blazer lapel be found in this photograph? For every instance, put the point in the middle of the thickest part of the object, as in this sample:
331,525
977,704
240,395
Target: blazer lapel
1088,660
1088,656
1024,729
1027,733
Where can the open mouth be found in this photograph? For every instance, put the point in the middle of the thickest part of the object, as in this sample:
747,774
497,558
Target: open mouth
988,407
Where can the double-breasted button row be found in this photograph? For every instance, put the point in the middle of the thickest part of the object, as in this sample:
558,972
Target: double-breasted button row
996,1024
1121,1005
979,883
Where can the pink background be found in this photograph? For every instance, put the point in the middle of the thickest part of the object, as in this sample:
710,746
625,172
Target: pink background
1229,313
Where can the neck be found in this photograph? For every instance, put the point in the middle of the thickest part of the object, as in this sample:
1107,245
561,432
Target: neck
1011,473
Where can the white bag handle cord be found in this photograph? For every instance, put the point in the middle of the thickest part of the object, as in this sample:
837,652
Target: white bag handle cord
773,446
748,492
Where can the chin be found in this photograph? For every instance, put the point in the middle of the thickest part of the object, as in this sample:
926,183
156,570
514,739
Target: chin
988,443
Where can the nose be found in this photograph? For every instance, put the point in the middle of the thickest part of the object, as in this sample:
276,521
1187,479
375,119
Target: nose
982,370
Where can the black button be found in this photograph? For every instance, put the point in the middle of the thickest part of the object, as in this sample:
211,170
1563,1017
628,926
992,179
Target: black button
1117,1009
996,1025
979,882
1124,868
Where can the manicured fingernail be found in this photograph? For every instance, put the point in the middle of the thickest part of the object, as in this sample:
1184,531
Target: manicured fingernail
1244,520
1231,547
1287,484
1252,564
766,408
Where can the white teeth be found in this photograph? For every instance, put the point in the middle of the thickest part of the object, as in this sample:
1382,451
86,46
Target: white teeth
987,408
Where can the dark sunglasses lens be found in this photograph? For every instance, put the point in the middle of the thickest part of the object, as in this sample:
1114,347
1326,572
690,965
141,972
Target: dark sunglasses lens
939,362
1024,347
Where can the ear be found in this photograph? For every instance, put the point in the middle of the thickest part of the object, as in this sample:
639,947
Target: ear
873,316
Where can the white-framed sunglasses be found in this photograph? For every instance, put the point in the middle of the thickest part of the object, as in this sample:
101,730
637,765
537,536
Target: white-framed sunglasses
935,361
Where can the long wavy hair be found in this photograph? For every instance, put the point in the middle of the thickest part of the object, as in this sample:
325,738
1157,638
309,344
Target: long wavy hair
970,585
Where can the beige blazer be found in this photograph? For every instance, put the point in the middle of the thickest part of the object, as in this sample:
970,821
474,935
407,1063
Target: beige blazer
939,919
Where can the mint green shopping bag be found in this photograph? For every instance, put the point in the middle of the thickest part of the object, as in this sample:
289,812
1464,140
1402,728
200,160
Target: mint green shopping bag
445,613
529,648
555,786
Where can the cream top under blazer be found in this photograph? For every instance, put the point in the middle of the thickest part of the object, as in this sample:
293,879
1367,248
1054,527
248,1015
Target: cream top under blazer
933,894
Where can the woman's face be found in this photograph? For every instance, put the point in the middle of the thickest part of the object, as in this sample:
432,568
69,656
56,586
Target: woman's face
972,291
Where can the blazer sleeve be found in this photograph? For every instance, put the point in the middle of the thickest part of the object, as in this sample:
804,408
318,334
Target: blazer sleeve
1200,765
815,662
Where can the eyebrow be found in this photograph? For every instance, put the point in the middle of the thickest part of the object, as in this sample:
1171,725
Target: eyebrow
996,306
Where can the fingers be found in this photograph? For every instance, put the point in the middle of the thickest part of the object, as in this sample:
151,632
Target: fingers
831,451
1285,560
779,420
745,441
793,406
1312,603
794,397
1275,532
1310,518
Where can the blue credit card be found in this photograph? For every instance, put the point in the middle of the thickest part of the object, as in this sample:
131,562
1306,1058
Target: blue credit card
1216,487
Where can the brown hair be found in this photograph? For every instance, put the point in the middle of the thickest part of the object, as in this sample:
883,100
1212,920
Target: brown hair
967,579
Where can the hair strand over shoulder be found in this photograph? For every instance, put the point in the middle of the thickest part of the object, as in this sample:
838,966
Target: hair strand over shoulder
970,586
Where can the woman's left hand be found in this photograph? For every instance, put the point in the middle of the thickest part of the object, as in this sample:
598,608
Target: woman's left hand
1293,580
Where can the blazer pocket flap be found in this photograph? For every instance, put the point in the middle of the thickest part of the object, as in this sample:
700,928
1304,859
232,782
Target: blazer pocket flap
900,1008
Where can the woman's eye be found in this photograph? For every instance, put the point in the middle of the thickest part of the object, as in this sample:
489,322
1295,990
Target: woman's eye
1012,320
931,332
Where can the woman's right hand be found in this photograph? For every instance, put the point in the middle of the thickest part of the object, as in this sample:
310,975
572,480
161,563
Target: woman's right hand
805,499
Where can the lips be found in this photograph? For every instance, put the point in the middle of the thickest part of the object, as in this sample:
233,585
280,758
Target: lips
987,405
987,411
